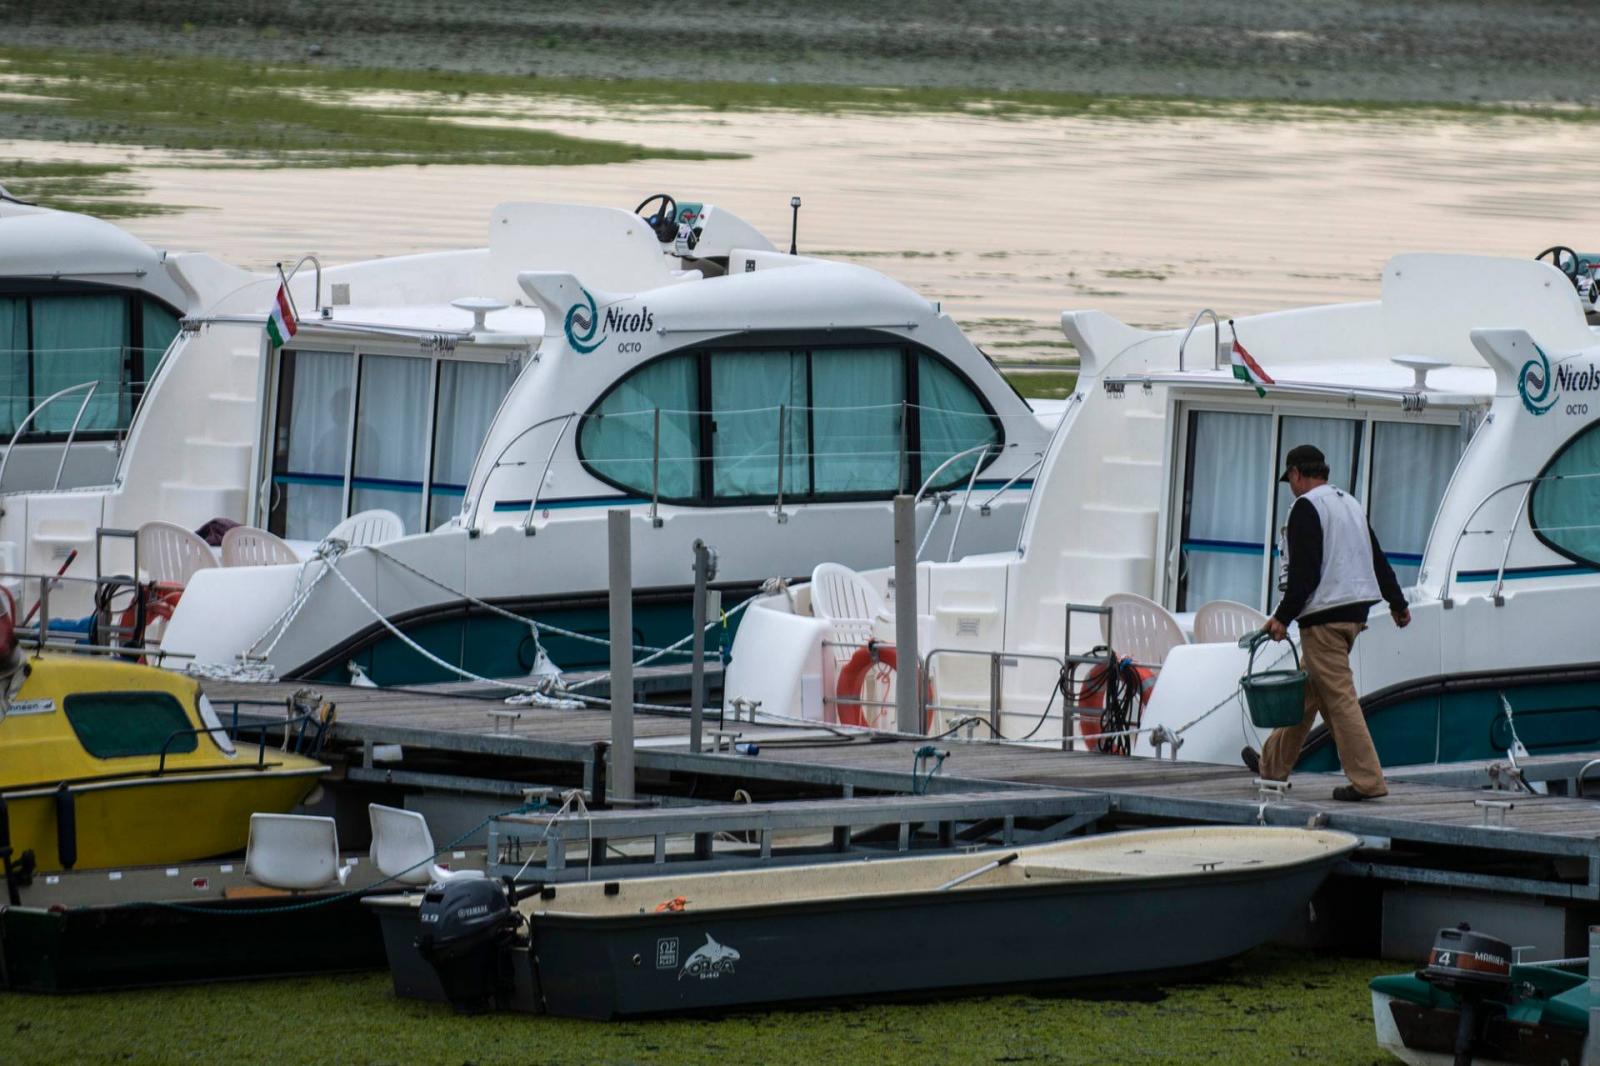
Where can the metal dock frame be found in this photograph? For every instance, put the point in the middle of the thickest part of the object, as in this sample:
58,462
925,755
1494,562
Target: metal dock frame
579,846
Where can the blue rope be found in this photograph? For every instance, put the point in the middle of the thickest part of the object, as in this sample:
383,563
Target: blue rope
919,787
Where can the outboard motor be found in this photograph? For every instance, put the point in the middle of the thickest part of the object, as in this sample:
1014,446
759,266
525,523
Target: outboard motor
1473,968
467,929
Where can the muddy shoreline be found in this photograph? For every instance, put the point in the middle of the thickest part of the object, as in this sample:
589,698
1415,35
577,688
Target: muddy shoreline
1439,51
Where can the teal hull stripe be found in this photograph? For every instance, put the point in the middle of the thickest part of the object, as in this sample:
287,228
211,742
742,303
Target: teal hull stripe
1223,547
627,501
1514,573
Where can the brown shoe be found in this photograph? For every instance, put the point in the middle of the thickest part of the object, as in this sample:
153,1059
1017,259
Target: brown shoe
1251,759
1351,794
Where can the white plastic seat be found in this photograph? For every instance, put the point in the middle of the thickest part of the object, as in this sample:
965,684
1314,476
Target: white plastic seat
369,527
848,603
170,554
1224,622
1141,628
402,848
249,546
294,851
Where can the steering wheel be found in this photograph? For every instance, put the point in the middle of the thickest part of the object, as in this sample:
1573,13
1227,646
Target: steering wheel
1562,258
665,221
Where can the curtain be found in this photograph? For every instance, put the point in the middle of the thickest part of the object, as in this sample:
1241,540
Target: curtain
391,441
158,326
319,427
858,397
469,395
13,362
1411,466
747,391
1225,508
1567,512
952,420
76,339
618,436
1340,442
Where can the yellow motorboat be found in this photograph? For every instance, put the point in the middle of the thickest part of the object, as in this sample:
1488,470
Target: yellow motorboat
111,763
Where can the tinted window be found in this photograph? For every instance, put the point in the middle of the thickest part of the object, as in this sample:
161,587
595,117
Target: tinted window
951,419
113,725
618,437
1565,504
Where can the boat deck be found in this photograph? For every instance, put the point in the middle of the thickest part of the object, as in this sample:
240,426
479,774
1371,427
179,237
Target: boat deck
1448,833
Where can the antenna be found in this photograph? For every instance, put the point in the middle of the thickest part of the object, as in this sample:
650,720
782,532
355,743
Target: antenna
794,225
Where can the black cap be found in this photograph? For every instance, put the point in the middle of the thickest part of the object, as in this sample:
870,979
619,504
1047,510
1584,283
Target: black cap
1302,456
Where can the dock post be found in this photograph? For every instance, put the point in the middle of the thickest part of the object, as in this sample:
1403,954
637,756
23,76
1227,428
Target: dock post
704,571
620,571
1591,1040
907,691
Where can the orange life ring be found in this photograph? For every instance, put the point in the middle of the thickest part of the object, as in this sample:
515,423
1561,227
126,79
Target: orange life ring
853,678
1093,698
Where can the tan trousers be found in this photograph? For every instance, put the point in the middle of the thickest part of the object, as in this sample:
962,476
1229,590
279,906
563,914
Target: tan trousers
1330,689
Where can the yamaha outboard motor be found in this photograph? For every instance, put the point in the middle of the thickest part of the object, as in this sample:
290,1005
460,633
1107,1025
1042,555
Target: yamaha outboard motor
467,929
1472,967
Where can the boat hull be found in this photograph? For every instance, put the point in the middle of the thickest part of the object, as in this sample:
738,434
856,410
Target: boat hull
862,949
145,819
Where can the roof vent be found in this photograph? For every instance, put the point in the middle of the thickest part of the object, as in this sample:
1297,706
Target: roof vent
480,306
1419,365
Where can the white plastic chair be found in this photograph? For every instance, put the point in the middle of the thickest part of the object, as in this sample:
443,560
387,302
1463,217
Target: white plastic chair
1224,622
171,554
1141,628
369,527
402,848
849,603
294,851
249,546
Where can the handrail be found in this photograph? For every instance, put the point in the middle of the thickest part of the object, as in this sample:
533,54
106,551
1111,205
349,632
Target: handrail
317,295
478,499
1217,322
261,749
928,481
550,457
1516,520
1018,476
966,501
40,406
933,521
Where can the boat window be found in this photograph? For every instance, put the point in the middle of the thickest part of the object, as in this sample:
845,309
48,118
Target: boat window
859,405
469,395
1340,442
112,725
391,447
53,340
310,445
1224,508
1411,467
754,397
618,439
951,419
1564,506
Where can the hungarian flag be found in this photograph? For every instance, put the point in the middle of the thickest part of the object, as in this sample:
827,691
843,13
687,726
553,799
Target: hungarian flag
1245,367
280,323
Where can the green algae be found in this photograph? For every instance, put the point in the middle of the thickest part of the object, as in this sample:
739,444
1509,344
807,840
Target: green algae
1272,1006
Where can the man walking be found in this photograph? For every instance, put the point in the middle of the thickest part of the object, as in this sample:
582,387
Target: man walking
1336,573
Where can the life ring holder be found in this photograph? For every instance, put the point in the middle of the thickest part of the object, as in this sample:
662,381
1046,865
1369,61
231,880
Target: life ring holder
853,678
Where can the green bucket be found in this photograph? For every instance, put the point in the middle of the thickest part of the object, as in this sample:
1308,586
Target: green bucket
1276,698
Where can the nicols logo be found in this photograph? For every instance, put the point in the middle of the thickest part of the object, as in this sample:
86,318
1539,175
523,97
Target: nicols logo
1541,389
587,331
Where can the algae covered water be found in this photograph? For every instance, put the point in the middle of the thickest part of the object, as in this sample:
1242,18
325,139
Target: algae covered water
1271,1006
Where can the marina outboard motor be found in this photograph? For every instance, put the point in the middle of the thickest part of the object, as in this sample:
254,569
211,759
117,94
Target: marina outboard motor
1473,968
467,929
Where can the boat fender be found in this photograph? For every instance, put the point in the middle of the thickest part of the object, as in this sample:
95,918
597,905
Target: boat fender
66,827
853,678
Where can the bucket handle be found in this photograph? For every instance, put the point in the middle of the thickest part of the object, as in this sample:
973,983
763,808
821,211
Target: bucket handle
1254,641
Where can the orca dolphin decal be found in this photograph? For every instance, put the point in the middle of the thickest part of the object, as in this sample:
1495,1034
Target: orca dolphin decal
709,961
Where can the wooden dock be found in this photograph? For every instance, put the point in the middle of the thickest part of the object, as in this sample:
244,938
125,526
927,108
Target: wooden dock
1444,833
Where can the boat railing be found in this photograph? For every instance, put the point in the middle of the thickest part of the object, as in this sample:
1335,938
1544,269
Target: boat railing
500,463
289,276
1527,485
1216,345
88,389
232,733
45,634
